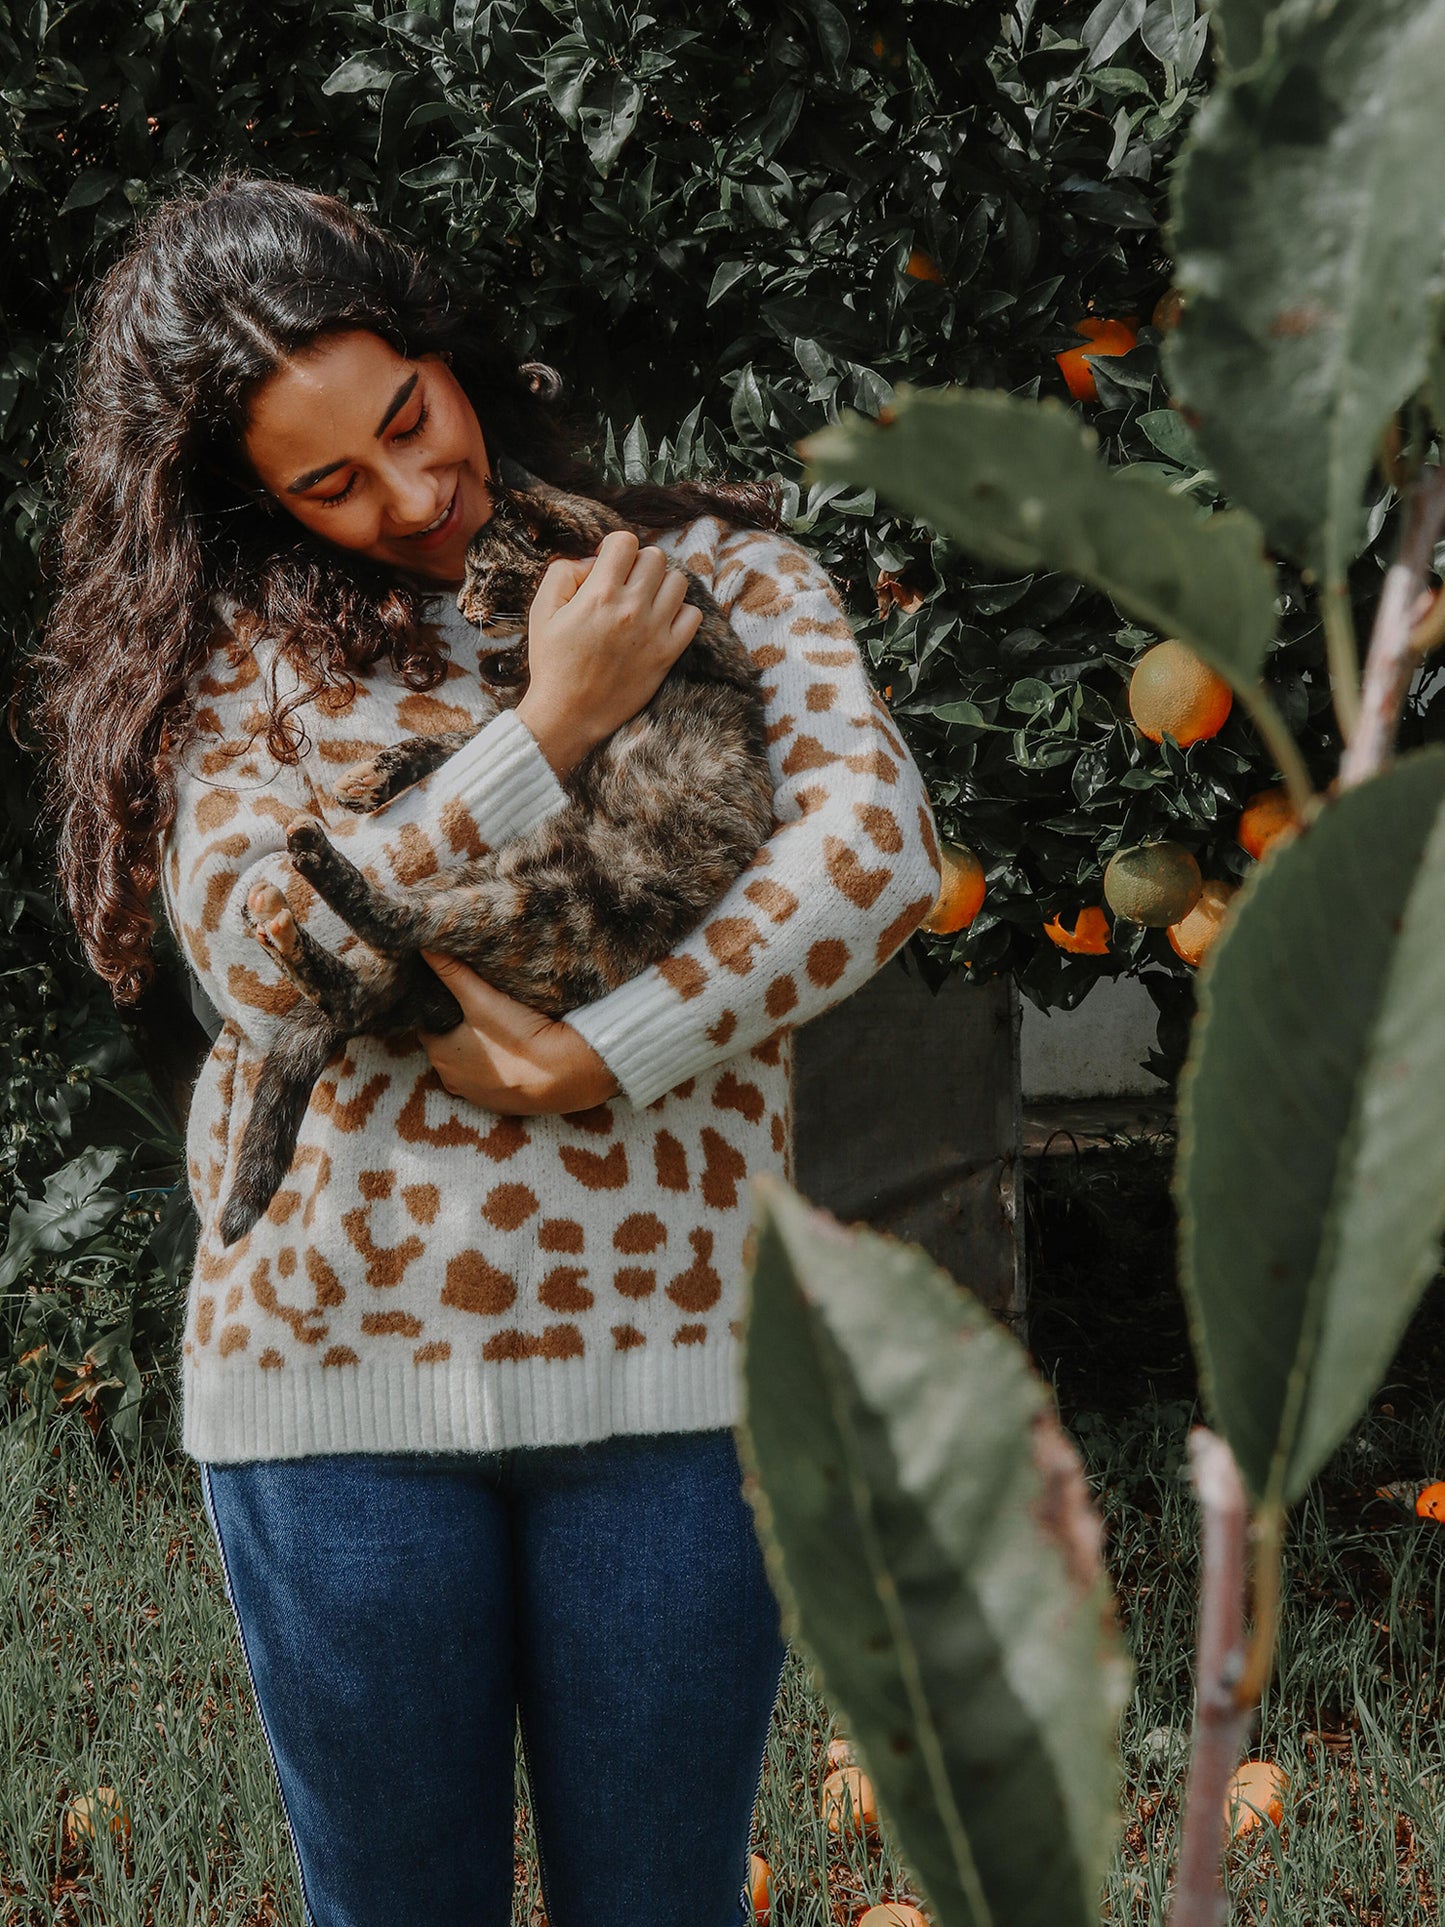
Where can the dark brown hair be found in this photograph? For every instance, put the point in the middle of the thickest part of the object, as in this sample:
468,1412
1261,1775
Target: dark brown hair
161,517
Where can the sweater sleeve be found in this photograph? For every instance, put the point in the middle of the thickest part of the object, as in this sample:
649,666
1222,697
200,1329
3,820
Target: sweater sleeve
234,803
851,868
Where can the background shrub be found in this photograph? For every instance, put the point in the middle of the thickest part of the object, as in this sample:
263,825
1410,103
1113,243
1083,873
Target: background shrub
724,222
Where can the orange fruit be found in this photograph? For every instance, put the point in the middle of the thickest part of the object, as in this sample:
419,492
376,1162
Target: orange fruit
1167,310
840,1753
1171,691
893,1913
1088,936
1267,816
960,894
1431,1503
760,1885
849,1782
1255,1793
1154,883
1105,338
1192,937
922,267
83,1811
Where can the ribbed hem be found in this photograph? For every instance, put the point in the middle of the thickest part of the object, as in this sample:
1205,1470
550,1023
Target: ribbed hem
647,1037
457,1406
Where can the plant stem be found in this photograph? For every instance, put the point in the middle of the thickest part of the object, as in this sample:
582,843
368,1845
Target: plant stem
1394,650
1343,655
1220,1723
1284,749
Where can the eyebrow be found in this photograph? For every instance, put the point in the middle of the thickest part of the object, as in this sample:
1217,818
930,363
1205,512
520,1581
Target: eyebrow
315,475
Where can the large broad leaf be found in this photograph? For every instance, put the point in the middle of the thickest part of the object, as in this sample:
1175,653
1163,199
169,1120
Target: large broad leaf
77,1203
1020,483
1309,235
929,1535
1312,1116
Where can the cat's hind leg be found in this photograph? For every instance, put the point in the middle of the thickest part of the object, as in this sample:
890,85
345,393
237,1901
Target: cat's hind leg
366,786
327,980
376,918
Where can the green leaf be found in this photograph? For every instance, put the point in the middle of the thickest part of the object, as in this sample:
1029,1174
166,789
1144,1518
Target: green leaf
1169,432
1020,483
607,117
363,73
91,186
75,1206
1312,1125
930,1538
728,275
1109,26
1309,222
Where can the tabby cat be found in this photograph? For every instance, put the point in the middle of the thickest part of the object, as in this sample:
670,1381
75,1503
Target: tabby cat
660,819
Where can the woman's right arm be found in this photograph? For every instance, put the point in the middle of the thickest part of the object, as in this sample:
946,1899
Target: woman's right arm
602,634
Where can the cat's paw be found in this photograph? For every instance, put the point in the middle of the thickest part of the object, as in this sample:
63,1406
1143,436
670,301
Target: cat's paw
273,923
306,842
366,786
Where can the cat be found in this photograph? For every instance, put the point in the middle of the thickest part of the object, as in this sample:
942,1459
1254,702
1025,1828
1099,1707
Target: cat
660,819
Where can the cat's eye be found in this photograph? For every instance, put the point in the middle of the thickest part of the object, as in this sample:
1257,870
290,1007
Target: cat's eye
503,668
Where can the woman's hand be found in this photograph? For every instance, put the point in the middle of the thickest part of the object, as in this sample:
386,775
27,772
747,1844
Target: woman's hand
509,1058
601,635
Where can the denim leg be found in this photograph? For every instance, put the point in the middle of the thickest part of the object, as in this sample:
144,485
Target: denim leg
373,1592
649,1656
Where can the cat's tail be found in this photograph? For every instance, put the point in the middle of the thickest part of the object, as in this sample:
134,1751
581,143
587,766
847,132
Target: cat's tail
268,1143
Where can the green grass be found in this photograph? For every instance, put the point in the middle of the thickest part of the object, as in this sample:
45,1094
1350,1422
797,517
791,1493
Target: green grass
120,1663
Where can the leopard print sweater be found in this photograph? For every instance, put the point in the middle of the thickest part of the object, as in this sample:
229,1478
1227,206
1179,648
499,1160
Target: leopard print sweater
432,1276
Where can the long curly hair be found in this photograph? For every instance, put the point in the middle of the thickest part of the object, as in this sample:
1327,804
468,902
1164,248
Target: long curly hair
162,524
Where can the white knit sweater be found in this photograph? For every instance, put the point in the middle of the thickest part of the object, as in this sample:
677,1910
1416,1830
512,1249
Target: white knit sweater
432,1276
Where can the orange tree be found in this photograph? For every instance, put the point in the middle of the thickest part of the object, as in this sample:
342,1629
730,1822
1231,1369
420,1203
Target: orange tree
725,223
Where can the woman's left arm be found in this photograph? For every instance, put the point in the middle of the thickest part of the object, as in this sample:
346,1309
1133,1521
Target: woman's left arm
849,872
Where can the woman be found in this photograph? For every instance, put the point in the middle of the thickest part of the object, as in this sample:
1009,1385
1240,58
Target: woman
463,1399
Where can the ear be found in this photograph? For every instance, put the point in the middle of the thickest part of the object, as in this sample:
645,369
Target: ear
512,474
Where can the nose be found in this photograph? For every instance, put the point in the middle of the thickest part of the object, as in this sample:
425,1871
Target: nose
414,499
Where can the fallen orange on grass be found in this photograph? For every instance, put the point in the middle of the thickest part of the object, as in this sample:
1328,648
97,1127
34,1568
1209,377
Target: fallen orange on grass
960,894
840,1753
846,1782
1255,1793
1171,691
893,1913
1104,338
1267,816
760,1885
1193,936
1431,1503
83,1811
1087,936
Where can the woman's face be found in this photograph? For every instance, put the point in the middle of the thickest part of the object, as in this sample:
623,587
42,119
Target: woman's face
374,452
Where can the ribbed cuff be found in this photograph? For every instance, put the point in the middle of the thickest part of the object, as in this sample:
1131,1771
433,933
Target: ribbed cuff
647,1036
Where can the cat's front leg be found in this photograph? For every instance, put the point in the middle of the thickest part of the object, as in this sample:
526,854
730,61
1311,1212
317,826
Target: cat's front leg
380,920
366,786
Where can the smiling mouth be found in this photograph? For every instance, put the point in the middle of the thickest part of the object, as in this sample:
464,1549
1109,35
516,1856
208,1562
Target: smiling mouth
432,528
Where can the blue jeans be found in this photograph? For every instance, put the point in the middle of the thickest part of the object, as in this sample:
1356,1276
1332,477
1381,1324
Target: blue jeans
395,1608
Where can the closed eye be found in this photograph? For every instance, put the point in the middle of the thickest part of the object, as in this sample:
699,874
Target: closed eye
406,435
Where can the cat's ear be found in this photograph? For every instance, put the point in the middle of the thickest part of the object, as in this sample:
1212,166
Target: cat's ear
512,475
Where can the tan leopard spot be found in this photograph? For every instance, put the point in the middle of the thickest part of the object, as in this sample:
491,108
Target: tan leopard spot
460,830
234,1338
782,996
689,1335
767,656
347,749
376,1184
422,1201
286,1261
722,1030
881,825
233,1300
731,1093
382,1324
562,1289
821,696
807,753
723,1166
903,925
327,1286
775,732
770,1051
215,809
684,1089
384,1263
270,1360
732,941
776,899
205,1314
827,960
736,1327
699,1287
811,799
635,1281
671,1161
640,1232
350,1114
558,1341
434,1353
561,1234
422,715
779,1133
627,1338
411,855
596,1171
872,762
930,840
685,974
275,997
474,1284
859,884
505,1138
508,1206
339,1355
597,1119
760,595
